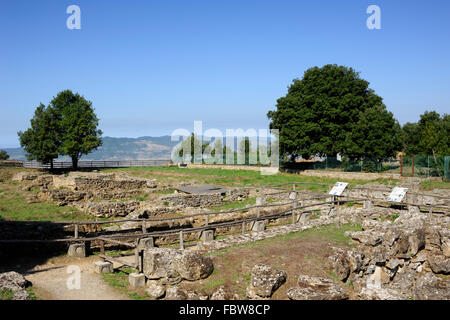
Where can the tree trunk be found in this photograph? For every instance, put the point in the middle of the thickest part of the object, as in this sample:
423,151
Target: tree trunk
75,163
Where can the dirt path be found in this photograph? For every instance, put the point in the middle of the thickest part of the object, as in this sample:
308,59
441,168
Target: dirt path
50,281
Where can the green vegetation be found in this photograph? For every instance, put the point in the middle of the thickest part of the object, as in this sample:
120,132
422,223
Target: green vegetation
67,126
4,155
353,120
236,204
6,294
119,281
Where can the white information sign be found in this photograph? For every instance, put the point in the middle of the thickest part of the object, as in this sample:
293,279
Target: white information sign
338,188
397,194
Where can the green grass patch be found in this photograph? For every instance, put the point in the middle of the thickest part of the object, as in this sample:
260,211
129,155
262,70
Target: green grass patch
119,281
236,204
6,294
430,185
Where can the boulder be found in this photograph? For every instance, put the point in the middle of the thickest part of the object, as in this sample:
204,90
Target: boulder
193,266
166,263
439,263
155,290
16,283
222,294
315,288
175,293
430,287
341,265
368,238
416,240
264,281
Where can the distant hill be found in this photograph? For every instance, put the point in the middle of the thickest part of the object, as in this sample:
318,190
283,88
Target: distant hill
119,149
142,148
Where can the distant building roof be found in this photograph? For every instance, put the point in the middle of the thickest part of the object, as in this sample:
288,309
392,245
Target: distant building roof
202,188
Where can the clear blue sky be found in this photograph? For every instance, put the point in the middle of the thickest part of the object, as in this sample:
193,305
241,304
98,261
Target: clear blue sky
150,67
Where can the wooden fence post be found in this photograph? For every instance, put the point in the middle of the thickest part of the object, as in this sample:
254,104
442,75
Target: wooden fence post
181,240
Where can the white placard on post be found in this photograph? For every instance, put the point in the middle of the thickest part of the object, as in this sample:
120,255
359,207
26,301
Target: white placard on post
397,194
338,188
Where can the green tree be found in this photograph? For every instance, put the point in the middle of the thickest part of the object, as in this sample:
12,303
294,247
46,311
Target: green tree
319,110
411,138
190,144
4,155
375,136
77,125
42,141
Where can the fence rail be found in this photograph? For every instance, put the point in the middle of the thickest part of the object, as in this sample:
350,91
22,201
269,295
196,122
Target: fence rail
98,164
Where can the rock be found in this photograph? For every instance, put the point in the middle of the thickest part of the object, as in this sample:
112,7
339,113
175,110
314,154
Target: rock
175,293
394,263
430,287
16,283
155,290
439,263
421,257
166,263
416,241
369,293
341,265
264,281
445,247
220,294
356,260
194,266
314,288
379,277
369,238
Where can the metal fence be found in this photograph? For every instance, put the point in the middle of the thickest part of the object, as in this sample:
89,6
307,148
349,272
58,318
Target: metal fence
98,164
422,166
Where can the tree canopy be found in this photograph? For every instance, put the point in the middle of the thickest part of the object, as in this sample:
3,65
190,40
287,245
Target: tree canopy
429,136
78,125
42,140
67,126
322,115
4,155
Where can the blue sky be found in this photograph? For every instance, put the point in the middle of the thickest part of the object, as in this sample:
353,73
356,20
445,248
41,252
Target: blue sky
150,67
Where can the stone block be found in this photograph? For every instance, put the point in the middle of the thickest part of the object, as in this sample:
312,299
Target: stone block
103,267
258,226
207,235
367,204
260,201
413,209
146,243
77,250
136,280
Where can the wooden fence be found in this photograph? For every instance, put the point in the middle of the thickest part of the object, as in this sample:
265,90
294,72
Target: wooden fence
83,164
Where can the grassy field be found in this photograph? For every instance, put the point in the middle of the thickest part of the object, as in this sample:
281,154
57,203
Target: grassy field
17,204
236,178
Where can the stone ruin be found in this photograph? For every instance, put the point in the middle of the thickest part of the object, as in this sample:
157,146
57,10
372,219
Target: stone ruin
408,258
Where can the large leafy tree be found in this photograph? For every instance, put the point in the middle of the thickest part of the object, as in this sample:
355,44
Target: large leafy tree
320,111
77,125
375,135
42,140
